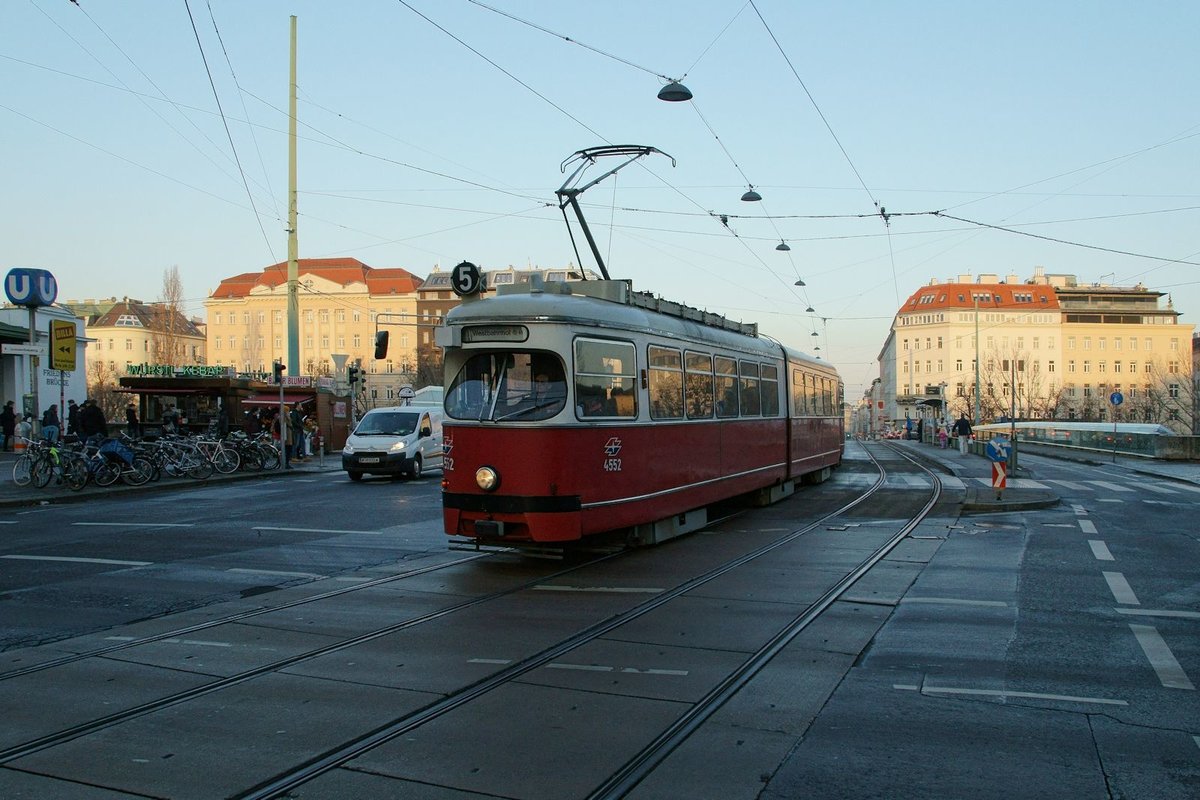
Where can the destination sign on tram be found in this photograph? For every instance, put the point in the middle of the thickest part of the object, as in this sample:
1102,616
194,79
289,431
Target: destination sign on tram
495,333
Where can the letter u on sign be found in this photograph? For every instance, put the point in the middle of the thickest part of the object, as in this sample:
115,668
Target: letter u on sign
30,287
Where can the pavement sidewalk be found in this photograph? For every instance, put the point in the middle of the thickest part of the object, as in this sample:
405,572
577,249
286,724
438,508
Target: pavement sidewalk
13,496
980,499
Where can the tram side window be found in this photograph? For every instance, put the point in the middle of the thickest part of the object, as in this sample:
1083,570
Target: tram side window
770,390
797,393
699,385
751,404
814,396
727,386
666,383
604,378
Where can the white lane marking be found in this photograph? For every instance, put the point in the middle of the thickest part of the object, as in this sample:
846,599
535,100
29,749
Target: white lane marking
8,522
1161,658
500,661
310,530
1079,487
1153,488
1079,510
81,560
1196,739
198,642
1112,487
1159,502
273,572
1110,500
1100,550
1121,589
1002,693
623,670
1087,526
1160,612
1188,486
951,482
610,589
135,524
950,601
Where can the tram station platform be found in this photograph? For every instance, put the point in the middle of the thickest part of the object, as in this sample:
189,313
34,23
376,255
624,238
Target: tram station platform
973,470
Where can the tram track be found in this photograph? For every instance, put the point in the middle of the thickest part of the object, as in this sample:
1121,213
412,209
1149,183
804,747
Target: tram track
643,762
617,785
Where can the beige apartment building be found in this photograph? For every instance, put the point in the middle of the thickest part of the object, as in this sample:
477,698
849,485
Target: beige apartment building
340,302
127,336
1043,348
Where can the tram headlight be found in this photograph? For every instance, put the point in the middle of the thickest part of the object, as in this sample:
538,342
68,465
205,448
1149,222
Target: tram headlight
487,479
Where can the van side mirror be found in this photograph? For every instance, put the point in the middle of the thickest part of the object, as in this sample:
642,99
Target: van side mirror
426,432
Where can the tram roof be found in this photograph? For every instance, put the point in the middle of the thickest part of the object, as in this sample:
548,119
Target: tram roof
614,304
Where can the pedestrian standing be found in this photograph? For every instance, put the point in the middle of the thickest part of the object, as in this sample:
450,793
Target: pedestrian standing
72,418
296,423
92,422
132,427
962,429
8,423
50,424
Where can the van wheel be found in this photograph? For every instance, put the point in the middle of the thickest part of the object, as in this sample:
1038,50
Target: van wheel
414,469
355,476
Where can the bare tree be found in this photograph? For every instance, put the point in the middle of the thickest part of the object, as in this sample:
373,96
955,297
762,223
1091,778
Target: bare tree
168,324
102,387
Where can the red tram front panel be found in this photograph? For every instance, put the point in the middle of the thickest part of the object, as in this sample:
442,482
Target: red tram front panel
561,483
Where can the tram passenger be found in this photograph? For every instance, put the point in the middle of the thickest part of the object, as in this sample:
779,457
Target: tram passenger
592,405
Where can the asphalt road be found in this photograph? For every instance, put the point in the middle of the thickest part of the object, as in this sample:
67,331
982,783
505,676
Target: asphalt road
1050,653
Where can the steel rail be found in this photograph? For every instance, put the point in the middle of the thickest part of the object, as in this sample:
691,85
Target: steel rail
285,782
644,762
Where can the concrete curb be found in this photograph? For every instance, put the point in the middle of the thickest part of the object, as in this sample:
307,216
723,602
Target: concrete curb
12,496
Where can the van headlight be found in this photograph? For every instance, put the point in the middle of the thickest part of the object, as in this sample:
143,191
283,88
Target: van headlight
398,447
348,450
487,479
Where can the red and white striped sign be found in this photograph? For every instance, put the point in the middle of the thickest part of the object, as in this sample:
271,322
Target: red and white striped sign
999,475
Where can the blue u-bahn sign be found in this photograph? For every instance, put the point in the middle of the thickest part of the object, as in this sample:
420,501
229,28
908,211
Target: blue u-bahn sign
30,287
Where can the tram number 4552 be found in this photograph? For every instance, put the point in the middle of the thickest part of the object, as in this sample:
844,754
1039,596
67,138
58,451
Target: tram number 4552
612,465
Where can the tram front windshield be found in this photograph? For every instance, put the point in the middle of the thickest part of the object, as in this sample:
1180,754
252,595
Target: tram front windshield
509,385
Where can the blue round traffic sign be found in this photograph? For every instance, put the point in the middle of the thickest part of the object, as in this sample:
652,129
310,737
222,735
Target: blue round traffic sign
30,287
1116,398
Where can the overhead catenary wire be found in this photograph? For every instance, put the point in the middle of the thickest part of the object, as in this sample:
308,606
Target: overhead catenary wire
228,133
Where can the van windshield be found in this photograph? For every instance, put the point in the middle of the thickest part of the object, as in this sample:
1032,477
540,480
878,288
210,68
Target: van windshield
387,423
509,385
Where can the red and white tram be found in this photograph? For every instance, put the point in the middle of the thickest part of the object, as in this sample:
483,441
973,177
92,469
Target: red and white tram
573,409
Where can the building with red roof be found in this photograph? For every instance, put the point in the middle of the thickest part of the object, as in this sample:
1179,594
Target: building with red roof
339,302
1043,348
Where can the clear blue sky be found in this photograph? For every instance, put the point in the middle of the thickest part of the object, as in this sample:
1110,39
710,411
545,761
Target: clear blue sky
427,140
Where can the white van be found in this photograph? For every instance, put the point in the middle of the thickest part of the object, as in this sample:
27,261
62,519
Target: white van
400,440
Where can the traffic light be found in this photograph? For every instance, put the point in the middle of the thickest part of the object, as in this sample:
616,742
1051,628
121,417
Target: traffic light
279,367
381,343
352,374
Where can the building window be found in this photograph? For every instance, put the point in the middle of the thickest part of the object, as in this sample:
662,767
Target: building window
340,315
278,317
357,340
